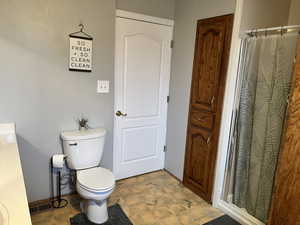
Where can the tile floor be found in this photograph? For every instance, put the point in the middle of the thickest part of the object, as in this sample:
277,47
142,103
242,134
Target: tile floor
151,199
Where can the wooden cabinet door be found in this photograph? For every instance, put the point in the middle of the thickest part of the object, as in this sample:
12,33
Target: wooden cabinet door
199,146
285,209
208,84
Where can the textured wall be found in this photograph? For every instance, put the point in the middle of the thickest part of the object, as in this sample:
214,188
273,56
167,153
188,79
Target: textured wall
158,8
36,89
266,13
186,15
256,14
294,17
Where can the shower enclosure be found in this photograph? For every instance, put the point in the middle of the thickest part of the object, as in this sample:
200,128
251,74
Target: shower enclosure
261,96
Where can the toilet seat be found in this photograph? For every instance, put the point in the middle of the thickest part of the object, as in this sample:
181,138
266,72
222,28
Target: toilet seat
96,179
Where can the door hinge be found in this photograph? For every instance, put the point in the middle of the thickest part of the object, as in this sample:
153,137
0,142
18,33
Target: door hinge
165,148
172,44
168,99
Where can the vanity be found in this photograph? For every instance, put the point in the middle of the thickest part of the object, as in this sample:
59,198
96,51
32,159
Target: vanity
14,208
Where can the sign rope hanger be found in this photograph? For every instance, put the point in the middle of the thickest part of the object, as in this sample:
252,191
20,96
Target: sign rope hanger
81,33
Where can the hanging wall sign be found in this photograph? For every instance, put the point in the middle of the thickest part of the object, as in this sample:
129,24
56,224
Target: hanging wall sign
81,49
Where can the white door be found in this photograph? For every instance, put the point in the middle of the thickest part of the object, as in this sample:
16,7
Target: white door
143,57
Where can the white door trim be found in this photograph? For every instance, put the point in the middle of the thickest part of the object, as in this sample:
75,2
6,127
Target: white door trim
149,19
145,18
218,202
238,214
228,105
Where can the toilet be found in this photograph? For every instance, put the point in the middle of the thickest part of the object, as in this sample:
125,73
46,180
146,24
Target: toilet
83,150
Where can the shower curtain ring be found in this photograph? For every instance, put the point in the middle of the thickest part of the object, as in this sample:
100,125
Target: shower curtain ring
281,31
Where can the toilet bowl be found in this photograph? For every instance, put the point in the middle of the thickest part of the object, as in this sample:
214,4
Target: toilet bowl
95,186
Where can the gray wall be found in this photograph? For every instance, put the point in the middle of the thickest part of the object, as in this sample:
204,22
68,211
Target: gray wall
158,8
186,15
266,13
36,89
294,17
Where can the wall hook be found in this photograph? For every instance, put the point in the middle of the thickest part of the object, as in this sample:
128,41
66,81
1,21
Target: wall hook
81,32
81,27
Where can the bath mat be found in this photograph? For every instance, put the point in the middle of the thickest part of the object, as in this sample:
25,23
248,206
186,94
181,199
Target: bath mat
223,220
115,213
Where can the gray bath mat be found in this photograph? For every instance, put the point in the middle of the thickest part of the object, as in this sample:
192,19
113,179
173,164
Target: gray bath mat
223,220
115,213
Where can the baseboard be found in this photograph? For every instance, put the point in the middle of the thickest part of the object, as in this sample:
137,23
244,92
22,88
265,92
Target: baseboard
172,175
45,204
238,214
40,205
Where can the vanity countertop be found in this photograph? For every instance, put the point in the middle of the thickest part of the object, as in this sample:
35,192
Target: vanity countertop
13,200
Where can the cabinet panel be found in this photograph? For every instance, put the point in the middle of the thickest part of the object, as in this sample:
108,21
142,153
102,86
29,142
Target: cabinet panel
199,147
202,119
208,63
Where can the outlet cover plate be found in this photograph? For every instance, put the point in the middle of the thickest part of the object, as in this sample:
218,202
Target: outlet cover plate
103,86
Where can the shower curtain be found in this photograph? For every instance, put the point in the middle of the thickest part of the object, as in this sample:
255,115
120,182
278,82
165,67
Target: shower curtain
265,77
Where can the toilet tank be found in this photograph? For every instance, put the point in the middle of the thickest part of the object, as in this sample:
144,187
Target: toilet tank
83,149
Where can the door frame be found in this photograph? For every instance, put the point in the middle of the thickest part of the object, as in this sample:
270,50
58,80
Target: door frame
148,19
145,18
228,107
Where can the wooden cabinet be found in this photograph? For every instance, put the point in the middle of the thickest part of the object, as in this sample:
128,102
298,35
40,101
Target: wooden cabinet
208,84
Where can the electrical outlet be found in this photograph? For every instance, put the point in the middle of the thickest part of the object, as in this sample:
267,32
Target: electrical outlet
103,86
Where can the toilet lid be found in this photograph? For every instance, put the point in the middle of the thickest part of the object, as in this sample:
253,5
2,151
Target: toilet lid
96,178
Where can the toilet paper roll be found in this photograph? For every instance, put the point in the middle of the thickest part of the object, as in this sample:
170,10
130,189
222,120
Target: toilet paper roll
58,161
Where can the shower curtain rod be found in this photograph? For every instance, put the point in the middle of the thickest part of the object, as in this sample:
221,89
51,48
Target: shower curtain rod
266,31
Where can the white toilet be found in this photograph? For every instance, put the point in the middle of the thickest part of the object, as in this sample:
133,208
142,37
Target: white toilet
83,150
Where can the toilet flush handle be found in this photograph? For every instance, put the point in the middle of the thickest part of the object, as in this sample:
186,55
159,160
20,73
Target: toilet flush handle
73,144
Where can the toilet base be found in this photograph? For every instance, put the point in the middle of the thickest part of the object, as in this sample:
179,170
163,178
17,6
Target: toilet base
96,211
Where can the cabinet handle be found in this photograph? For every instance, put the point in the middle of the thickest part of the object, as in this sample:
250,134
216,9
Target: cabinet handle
212,100
208,140
75,144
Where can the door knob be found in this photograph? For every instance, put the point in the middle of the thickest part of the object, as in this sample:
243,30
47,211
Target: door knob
119,113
